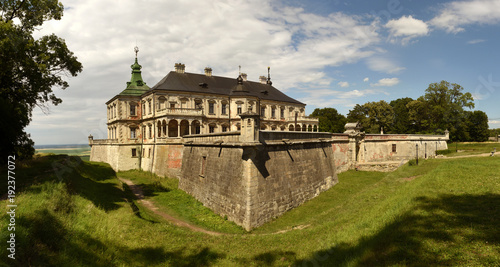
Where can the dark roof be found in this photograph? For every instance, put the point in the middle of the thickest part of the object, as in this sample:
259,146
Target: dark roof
200,83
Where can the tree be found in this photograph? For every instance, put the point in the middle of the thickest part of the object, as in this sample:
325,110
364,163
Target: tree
401,123
330,120
477,124
372,116
446,103
31,68
359,114
380,115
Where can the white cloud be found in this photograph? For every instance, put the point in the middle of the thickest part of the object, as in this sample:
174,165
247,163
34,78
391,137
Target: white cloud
386,82
494,123
343,84
366,79
456,15
220,34
406,28
383,64
476,41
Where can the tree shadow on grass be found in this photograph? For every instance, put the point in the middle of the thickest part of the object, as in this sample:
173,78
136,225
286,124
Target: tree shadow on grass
43,240
152,189
434,233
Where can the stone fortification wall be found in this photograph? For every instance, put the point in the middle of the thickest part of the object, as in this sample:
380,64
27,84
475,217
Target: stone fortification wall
253,183
379,148
227,137
283,176
267,136
117,156
168,159
215,176
340,147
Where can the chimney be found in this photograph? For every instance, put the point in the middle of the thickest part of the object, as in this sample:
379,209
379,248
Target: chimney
179,67
208,72
263,79
244,76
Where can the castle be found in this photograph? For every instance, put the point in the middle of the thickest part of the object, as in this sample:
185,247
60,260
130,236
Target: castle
242,148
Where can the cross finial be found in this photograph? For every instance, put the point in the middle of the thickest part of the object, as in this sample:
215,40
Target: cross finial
136,49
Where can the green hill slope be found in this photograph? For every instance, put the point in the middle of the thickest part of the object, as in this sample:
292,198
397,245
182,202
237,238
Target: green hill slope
75,213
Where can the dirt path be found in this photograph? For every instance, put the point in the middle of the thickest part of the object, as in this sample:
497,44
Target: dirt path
137,190
472,156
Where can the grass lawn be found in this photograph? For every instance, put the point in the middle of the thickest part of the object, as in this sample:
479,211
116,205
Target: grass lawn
77,213
464,149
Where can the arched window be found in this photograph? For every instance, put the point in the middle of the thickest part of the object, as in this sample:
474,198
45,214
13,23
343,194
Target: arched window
184,127
195,127
173,130
159,128
164,128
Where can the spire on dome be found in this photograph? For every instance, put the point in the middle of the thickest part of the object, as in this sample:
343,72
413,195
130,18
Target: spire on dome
269,76
136,86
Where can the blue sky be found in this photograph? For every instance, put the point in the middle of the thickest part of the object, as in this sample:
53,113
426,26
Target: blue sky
323,53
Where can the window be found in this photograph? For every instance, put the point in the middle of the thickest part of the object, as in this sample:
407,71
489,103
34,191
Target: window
273,113
150,135
161,102
282,113
149,107
224,109
211,108
172,105
149,153
238,109
263,111
211,128
134,152
224,128
133,133
132,109
250,108
198,104
394,148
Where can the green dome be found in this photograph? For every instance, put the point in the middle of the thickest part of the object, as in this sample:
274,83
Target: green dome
136,86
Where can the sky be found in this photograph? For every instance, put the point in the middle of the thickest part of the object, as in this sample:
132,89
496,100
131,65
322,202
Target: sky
323,53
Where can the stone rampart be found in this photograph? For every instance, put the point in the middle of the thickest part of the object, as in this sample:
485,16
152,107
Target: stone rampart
254,183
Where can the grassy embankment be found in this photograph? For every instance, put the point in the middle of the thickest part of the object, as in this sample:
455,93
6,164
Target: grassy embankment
465,149
442,212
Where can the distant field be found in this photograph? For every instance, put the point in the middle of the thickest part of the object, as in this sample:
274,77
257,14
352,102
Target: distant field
81,151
